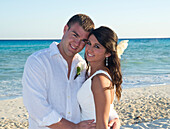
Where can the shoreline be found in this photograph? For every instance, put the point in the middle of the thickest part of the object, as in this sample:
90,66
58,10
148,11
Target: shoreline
123,89
139,107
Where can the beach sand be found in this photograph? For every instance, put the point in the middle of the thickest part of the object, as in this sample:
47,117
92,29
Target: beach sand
139,108
13,114
146,107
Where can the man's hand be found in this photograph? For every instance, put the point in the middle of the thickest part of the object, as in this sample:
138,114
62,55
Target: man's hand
114,124
87,124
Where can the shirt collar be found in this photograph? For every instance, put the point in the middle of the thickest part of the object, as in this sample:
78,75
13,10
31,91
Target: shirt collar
54,49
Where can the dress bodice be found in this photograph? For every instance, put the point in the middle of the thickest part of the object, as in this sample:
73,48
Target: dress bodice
86,100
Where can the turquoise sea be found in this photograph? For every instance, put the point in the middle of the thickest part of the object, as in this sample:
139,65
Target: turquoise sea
146,62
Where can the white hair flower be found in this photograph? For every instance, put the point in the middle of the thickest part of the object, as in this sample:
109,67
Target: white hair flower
121,47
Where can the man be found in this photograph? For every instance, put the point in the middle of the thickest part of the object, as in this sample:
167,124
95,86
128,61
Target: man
49,86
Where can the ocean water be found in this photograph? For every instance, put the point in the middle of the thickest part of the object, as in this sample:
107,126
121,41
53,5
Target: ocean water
146,62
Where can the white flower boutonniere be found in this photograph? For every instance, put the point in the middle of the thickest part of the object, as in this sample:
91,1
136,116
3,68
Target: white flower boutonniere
79,69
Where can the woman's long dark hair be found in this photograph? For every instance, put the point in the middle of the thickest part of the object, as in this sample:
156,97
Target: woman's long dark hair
108,38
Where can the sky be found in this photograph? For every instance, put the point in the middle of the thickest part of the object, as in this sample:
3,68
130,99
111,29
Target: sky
45,19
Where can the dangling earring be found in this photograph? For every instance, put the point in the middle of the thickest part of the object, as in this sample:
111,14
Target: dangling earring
106,61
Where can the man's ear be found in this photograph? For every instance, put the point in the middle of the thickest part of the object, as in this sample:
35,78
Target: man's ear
65,29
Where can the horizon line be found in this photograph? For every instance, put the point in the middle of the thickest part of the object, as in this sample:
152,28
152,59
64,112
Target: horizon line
60,39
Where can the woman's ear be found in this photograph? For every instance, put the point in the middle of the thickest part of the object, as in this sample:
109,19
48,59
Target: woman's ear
108,55
65,29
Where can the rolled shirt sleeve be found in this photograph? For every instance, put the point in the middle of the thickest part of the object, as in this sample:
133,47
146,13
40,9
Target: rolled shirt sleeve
112,114
35,93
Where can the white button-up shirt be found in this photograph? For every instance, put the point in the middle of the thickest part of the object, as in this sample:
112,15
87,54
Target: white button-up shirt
48,94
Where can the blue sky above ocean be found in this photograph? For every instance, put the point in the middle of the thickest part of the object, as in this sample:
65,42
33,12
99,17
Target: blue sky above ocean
42,19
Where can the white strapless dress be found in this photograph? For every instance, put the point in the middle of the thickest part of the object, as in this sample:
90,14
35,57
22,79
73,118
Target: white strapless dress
86,100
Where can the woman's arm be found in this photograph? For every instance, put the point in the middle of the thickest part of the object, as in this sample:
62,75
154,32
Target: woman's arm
102,100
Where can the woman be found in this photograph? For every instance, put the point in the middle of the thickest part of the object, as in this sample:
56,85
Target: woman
97,93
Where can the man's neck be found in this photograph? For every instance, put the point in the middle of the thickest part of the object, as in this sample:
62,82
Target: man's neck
68,60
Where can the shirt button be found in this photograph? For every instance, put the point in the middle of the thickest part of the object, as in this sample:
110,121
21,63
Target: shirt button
68,96
68,112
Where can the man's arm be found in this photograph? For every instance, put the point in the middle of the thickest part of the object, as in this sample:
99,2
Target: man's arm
65,124
114,123
35,94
